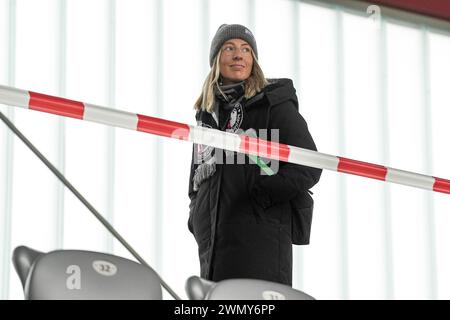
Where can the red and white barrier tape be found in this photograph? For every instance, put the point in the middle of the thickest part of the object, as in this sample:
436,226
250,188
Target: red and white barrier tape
219,139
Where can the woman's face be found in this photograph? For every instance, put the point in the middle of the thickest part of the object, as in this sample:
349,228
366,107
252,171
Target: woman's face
236,61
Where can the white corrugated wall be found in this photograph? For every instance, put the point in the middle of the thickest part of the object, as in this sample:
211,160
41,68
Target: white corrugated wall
370,89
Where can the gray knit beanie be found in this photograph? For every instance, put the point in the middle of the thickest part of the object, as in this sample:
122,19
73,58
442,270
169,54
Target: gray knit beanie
227,32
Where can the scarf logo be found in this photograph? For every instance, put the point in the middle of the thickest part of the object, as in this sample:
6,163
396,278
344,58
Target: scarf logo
236,118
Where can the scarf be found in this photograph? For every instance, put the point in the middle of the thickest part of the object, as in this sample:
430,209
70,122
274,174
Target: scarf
230,94
228,97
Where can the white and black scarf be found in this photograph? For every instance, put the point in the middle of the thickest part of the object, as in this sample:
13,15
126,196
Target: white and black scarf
228,97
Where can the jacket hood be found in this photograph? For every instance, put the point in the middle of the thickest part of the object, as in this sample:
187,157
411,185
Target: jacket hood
278,91
281,90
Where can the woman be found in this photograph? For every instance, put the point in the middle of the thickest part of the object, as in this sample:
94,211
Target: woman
242,219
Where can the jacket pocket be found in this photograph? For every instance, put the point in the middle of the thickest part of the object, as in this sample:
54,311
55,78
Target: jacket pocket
277,214
302,211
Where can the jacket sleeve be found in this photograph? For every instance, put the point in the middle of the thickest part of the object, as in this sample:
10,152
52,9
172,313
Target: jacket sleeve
192,194
290,178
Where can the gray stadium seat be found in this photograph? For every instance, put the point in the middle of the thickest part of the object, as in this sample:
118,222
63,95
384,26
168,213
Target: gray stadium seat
241,289
83,275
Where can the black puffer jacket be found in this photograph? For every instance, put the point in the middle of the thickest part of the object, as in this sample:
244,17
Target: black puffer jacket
241,219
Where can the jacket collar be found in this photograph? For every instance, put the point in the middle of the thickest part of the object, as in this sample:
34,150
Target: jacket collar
276,92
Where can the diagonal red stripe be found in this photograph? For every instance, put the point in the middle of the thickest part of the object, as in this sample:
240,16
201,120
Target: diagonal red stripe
360,168
264,148
441,185
56,105
163,127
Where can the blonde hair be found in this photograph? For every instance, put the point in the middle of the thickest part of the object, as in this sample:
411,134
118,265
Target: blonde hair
253,84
